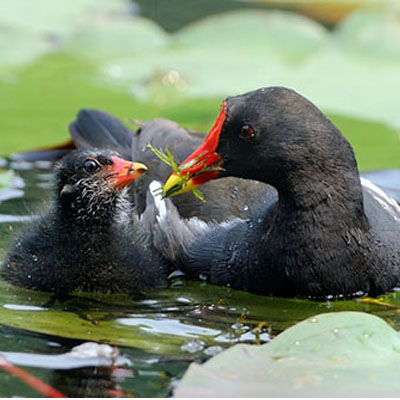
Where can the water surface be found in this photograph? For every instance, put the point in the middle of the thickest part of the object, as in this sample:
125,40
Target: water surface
157,335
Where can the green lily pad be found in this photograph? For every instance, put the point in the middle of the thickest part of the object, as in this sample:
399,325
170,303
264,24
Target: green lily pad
103,39
198,57
372,34
202,312
236,52
256,32
345,354
29,29
17,48
56,18
27,309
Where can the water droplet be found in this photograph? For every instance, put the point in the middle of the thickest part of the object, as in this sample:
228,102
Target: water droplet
171,78
367,334
53,344
193,346
245,208
364,336
148,302
297,342
203,277
183,300
313,320
34,257
176,274
335,332
234,192
115,71
213,350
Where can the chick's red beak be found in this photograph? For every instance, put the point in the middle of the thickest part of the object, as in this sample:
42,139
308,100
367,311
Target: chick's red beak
124,172
197,168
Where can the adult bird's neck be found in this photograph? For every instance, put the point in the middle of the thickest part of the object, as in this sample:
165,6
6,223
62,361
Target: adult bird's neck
325,198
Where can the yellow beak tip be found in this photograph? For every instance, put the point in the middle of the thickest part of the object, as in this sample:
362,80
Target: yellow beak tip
139,168
175,182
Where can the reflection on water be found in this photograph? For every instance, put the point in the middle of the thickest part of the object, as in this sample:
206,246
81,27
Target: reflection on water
22,307
158,335
168,326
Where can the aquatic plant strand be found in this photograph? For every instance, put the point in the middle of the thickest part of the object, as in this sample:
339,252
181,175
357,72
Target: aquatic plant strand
168,158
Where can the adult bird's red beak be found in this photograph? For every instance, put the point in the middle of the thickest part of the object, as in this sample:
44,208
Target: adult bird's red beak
197,169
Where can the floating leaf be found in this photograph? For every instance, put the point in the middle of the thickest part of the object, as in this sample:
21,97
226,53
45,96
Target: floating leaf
122,321
110,326
17,48
56,18
329,355
210,59
28,29
259,33
115,37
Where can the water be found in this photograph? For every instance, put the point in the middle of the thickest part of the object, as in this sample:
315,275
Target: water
158,334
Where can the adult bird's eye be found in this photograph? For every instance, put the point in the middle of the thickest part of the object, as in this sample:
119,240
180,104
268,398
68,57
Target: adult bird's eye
91,165
247,132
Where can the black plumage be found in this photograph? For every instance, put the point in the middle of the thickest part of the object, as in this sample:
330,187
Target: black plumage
87,240
323,235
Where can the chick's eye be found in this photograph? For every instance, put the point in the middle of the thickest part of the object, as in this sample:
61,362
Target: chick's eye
247,132
91,165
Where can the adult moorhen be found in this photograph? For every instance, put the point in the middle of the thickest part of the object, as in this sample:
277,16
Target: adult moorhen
323,236
87,241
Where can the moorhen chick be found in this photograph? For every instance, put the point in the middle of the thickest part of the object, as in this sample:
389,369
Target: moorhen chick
87,241
323,235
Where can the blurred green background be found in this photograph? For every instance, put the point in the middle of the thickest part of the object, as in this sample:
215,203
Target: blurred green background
178,59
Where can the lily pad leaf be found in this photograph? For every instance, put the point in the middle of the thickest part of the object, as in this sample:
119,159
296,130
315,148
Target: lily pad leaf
56,18
104,39
111,325
259,30
330,355
17,48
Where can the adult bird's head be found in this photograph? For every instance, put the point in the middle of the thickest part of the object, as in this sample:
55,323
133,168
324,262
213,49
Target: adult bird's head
269,135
